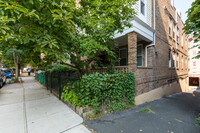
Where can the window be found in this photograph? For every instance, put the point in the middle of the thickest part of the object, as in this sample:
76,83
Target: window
170,25
142,7
194,63
182,62
174,28
182,40
177,61
139,55
173,63
172,2
194,52
185,63
123,57
170,59
177,35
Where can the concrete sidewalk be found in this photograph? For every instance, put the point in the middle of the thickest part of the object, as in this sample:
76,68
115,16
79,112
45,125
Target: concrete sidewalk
173,114
30,108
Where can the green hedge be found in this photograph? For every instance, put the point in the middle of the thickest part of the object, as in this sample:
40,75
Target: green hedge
58,68
198,121
116,91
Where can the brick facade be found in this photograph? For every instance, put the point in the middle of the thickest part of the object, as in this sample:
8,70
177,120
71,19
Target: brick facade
158,73
132,51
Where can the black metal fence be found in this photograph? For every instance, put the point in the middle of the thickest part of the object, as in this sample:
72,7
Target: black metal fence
55,82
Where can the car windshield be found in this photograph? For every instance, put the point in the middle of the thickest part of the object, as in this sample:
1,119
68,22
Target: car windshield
7,71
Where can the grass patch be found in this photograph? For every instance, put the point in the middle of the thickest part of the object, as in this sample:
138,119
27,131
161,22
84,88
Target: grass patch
146,110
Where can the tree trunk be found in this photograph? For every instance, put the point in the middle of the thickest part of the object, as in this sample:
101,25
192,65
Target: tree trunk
16,65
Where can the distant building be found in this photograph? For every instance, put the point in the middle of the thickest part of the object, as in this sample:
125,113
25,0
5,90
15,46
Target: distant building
194,64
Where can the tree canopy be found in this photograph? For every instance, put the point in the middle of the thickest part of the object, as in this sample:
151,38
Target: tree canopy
63,29
192,24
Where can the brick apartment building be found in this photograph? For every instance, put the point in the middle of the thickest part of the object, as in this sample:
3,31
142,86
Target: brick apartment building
155,49
194,70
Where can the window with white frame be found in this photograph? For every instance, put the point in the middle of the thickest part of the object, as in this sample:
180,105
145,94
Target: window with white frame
123,57
174,29
177,35
142,6
170,26
139,55
170,59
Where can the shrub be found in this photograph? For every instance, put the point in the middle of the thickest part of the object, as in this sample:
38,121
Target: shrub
198,121
116,91
58,68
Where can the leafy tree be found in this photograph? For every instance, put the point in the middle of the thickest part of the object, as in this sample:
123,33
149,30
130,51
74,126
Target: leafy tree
192,24
62,29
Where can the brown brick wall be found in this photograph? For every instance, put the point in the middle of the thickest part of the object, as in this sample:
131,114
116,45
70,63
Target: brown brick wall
158,73
132,51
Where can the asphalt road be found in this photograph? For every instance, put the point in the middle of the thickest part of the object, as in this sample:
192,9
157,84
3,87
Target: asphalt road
173,114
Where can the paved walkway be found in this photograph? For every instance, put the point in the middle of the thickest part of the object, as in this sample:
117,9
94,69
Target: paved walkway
30,108
173,114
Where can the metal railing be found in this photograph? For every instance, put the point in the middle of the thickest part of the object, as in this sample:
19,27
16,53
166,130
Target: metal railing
55,82
40,77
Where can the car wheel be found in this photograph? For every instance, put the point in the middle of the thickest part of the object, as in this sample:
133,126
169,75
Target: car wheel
1,84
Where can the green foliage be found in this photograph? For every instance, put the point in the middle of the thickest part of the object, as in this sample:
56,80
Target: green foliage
58,68
192,24
116,91
198,120
146,110
61,29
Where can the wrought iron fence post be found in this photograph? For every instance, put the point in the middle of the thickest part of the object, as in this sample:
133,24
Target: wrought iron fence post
46,80
59,82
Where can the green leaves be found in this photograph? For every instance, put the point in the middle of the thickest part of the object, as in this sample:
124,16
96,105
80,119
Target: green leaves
116,91
192,24
61,28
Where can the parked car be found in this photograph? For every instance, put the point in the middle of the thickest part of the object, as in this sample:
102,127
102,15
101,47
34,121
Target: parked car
8,72
2,78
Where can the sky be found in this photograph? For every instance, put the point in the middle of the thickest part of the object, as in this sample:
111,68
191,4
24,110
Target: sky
183,6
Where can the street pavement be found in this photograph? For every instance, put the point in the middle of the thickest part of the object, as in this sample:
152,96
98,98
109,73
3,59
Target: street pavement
173,114
29,108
